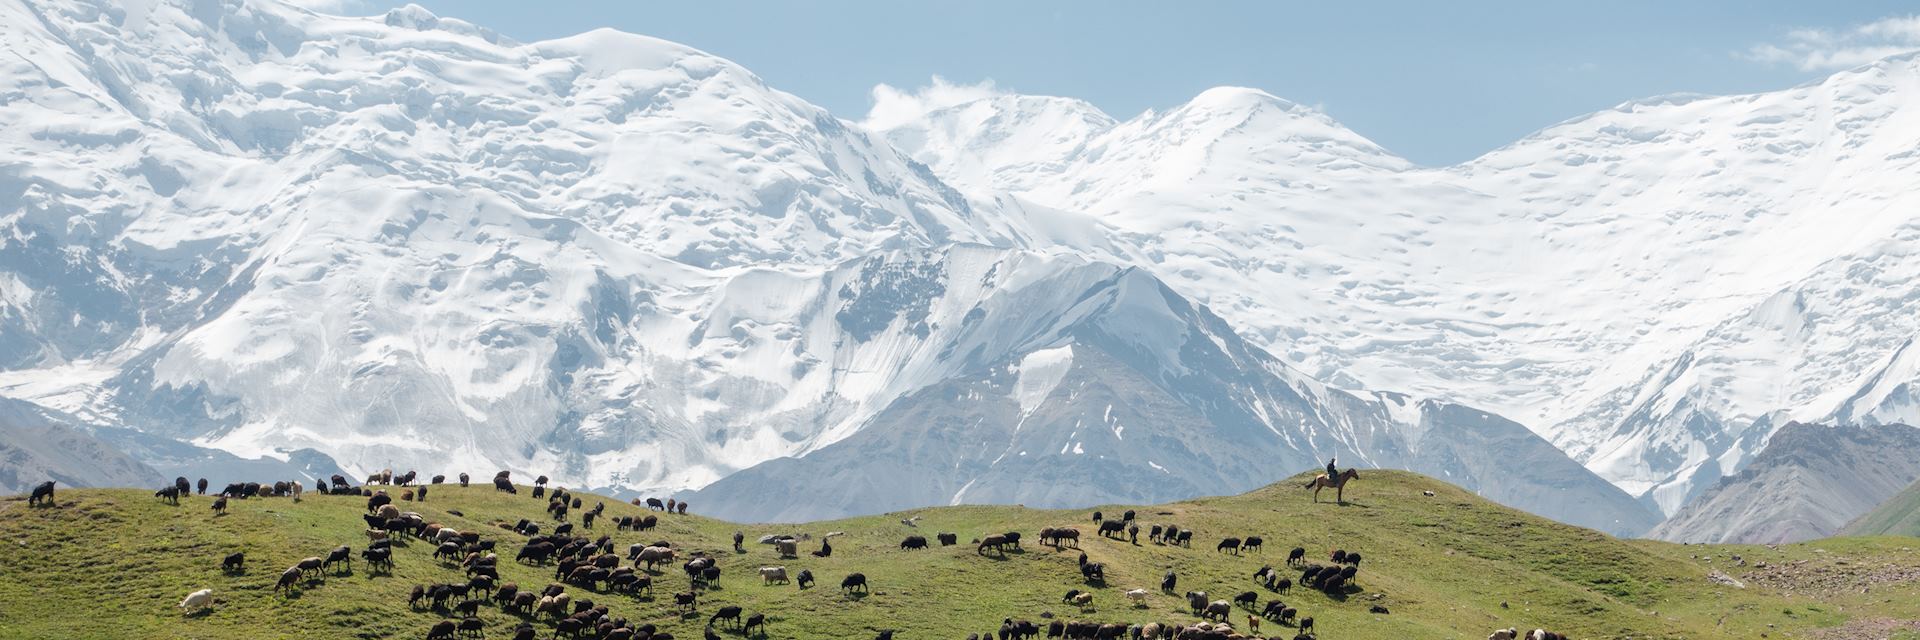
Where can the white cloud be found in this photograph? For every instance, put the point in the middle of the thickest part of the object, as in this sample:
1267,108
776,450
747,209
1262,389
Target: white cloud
1828,50
893,106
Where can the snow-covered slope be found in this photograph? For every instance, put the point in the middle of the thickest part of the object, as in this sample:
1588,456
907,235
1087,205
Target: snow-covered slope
1098,384
1649,286
405,239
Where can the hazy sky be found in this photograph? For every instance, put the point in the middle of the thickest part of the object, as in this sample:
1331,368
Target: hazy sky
1436,82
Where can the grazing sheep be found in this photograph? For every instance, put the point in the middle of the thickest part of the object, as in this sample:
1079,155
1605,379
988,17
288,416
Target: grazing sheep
1112,528
473,627
1228,544
198,600
755,621
1083,601
1247,599
728,613
914,542
311,564
1505,634
1306,624
654,555
770,575
1543,634
170,494
442,630
996,543
1296,556
1138,596
378,558
686,601
1196,601
42,495
1252,543
287,579
805,579
1218,609
1168,581
948,539
523,602
235,563
854,581
220,506
1353,559
341,555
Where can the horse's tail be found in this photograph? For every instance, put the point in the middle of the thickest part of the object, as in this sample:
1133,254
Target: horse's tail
1312,482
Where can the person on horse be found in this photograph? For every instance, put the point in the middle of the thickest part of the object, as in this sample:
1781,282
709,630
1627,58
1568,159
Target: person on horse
1333,472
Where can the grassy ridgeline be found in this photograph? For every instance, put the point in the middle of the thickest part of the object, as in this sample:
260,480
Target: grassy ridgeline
113,563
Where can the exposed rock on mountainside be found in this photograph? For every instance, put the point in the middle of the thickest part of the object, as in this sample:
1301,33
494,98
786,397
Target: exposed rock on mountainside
1807,483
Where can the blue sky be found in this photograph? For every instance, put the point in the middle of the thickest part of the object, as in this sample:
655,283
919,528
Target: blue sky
1436,82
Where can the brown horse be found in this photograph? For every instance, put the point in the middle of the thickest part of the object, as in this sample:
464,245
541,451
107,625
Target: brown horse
1339,484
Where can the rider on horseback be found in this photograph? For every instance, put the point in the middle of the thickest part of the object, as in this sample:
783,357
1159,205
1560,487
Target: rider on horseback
1333,472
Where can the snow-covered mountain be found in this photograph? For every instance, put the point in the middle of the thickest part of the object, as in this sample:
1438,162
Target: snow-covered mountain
1094,383
1654,287
407,241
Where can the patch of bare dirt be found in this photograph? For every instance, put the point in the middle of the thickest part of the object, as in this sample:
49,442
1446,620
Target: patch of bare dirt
1822,577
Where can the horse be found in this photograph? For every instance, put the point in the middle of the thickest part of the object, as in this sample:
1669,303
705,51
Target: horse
1339,484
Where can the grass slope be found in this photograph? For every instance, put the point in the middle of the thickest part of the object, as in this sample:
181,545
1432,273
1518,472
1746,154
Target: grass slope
113,563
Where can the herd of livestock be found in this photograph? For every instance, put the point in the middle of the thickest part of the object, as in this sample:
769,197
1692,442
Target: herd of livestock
591,567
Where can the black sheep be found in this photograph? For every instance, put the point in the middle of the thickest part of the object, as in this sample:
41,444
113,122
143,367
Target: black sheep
42,495
855,581
235,563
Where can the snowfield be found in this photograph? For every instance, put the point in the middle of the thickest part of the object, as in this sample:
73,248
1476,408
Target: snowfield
406,241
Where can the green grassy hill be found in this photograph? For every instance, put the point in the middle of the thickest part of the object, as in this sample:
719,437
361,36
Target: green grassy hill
1898,516
113,563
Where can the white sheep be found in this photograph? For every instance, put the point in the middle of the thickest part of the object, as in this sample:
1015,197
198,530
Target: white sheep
1505,634
202,599
1138,596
